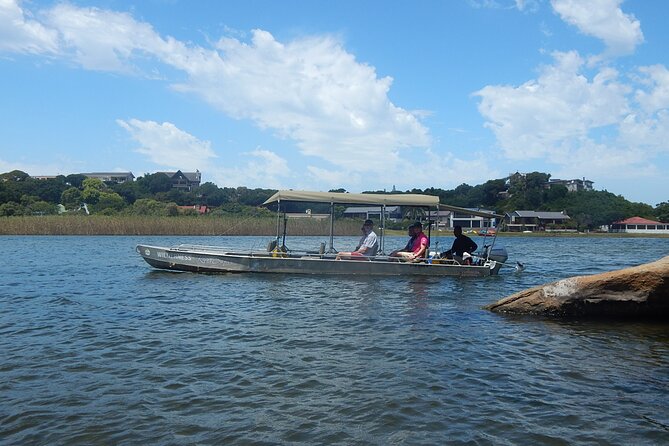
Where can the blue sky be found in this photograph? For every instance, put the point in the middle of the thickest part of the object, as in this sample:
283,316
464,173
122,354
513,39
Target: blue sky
363,95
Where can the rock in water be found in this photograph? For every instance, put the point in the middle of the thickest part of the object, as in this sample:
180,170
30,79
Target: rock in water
638,292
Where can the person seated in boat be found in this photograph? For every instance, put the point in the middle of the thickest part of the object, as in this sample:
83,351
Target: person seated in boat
461,245
416,248
368,246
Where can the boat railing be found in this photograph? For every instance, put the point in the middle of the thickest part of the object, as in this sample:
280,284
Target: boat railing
218,249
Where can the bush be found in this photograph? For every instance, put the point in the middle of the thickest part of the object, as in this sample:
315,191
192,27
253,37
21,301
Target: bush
10,209
41,208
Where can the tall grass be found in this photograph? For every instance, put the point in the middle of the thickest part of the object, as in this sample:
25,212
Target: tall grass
149,225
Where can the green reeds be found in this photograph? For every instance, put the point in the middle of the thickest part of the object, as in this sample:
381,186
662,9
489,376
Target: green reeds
149,225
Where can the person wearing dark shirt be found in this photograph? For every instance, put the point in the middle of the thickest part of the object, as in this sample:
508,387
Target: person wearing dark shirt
462,244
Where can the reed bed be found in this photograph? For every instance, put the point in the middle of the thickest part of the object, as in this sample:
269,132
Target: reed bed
150,225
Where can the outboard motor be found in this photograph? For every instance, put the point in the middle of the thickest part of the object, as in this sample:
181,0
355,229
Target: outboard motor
498,253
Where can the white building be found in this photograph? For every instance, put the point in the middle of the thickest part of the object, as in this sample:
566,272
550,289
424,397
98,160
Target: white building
638,225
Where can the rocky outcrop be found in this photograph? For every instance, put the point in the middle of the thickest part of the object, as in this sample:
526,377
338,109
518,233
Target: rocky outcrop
637,292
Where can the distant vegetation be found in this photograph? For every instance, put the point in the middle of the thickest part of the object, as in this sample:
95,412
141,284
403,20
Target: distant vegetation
152,225
152,196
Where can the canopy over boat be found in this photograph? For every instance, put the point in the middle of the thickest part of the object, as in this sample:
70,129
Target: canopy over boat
346,198
373,199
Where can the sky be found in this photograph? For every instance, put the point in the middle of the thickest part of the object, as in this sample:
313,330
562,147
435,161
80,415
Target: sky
360,95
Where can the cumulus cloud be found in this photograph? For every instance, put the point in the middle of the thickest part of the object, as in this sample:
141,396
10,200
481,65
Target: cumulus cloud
597,121
167,145
604,20
104,40
535,119
309,90
312,91
656,79
264,168
19,33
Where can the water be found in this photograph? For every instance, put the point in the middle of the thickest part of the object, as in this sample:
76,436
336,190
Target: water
98,348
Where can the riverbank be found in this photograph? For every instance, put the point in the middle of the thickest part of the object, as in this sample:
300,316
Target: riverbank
228,225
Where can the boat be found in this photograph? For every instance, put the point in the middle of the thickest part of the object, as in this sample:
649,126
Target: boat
278,259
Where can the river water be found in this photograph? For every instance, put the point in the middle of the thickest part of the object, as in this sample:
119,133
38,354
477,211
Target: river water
98,348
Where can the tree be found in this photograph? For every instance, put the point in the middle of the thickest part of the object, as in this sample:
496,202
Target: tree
490,191
90,195
154,183
93,183
41,208
14,175
128,190
71,198
8,193
11,209
109,201
92,189
556,192
212,195
662,212
148,206
48,190
75,180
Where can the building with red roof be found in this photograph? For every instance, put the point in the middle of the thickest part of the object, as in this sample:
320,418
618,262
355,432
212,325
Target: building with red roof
638,225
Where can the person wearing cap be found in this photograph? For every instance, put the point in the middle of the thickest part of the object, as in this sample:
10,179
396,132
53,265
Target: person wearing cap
416,248
368,246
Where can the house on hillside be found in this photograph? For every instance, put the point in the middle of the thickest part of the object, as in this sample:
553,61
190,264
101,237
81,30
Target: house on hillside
111,177
184,180
534,220
393,213
638,225
472,221
571,185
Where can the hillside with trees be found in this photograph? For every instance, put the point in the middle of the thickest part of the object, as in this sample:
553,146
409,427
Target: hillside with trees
153,194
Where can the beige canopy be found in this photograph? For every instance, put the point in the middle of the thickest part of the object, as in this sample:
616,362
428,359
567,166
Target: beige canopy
372,199
363,199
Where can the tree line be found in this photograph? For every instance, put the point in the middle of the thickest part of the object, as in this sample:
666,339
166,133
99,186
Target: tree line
153,194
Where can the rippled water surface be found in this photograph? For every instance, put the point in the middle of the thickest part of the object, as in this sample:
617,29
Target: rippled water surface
98,348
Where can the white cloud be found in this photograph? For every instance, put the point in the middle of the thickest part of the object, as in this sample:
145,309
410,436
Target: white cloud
562,104
601,125
19,33
166,145
104,40
656,79
604,20
649,132
527,5
424,168
264,169
312,91
309,90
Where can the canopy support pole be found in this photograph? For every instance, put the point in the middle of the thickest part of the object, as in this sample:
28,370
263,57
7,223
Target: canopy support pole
382,245
278,222
331,249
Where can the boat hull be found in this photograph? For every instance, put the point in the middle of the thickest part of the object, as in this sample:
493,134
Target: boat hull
214,260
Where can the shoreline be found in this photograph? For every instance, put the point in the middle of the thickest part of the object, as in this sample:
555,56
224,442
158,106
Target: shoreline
127,225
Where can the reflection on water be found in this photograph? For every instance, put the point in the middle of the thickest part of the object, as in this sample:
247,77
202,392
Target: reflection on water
98,348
